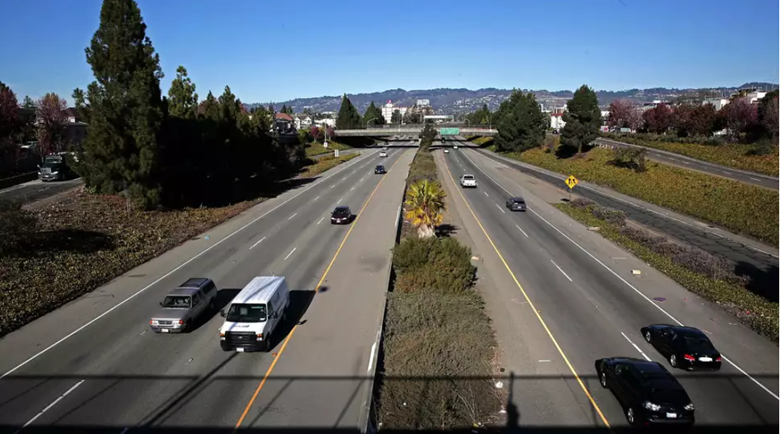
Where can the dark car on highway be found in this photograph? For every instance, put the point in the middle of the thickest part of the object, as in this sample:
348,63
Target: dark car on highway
341,215
685,347
648,393
515,204
380,170
55,167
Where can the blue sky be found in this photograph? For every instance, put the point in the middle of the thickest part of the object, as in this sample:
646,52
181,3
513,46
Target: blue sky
274,50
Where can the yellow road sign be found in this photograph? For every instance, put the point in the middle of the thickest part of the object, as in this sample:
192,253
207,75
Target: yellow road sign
571,181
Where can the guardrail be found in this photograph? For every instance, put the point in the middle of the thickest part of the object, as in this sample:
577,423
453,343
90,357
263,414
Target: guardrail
18,179
405,130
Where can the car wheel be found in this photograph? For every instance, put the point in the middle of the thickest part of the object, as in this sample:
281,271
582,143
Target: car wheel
648,337
630,416
603,379
673,360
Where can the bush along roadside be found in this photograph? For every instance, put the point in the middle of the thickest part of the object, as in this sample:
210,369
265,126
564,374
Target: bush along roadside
324,164
708,276
438,346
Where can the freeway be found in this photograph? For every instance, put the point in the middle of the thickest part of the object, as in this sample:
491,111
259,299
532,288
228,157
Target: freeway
95,362
753,259
699,165
590,305
36,190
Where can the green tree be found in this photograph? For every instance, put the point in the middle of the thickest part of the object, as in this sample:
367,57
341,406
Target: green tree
583,119
425,207
121,149
427,136
81,104
372,112
9,113
396,117
523,125
27,130
182,98
348,116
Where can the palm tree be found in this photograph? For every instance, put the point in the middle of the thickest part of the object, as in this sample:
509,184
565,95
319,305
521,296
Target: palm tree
424,206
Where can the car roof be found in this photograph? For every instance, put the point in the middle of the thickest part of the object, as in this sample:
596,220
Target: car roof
183,291
259,290
688,331
468,174
194,282
341,208
517,198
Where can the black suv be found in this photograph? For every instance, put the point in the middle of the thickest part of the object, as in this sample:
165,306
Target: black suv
380,170
515,204
341,215
649,394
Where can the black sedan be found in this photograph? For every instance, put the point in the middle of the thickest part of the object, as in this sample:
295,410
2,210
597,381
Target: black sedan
649,394
515,204
685,347
380,170
341,215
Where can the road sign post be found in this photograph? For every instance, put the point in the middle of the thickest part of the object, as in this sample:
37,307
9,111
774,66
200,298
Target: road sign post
571,181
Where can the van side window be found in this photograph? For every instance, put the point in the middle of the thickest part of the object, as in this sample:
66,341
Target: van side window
195,299
270,309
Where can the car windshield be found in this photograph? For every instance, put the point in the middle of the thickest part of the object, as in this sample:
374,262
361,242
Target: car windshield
177,301
247,313
340,211
469,177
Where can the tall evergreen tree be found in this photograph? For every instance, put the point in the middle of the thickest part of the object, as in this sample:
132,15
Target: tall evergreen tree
348,116
121,149
523,125
583,119
182,98
396,117
372,112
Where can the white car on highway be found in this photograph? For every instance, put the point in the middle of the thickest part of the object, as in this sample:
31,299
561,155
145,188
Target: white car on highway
383,154
254,315
468,181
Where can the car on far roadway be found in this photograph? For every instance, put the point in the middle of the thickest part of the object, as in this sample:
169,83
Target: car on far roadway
341,215
442,139
383,154
182,307
380,170
455,147
685,347
446,151
648,393
468,181
516,204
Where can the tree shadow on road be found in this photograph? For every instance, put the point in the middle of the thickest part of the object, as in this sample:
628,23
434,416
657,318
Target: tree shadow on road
761,282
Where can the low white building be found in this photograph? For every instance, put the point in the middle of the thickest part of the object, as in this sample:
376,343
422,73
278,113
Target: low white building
556,121
327,121
717,102
302,121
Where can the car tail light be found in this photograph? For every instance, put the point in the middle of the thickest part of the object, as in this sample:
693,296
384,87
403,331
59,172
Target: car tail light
259,335
717,359
181,322
689,358
151,322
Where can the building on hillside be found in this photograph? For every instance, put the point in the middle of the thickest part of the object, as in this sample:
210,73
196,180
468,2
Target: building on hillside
302,121
556,121
717,102
389,108
284,123
319,123
423,103
655,103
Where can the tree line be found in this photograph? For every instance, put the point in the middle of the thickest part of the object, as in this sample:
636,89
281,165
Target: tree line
172,150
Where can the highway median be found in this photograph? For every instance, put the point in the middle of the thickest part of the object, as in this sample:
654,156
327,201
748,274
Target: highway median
435,324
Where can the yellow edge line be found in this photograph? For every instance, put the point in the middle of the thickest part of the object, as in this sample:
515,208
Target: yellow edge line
316,289
530,303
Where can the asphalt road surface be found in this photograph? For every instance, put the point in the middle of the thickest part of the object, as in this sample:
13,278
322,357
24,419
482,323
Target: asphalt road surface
96,363
755,262
593,306
702,166
34,191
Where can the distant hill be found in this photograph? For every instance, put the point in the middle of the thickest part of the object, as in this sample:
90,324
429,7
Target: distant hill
454,101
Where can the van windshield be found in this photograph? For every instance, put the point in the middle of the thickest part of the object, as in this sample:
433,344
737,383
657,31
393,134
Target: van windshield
247,313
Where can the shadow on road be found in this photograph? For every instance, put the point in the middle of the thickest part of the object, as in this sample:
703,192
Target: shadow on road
300,300
760,282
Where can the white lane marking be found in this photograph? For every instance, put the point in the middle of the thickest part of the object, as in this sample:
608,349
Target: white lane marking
340,200
726,172
561,270
544,361
315,199
755,179
637,348
486,193
291,217
321,220
291,252
51,405
634,288
253,245
182,265
500,209
521,230
351,188
361,179
371,357
685,162
332,185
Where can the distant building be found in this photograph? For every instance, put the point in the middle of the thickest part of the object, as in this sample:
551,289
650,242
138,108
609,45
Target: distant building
717,102
423,103
651,105
556,121
284,123
302,121
389,108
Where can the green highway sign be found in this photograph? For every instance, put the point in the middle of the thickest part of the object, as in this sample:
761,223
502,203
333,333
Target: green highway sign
450,131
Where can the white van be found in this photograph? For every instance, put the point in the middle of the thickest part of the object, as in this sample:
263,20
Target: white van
254,314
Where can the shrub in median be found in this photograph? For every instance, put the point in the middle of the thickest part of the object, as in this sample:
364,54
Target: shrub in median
701,273
739,207
437,349
440,265
422,167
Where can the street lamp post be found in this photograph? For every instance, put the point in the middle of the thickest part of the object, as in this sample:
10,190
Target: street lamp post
369,121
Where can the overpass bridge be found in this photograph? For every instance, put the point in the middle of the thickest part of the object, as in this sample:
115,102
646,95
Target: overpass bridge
410,130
